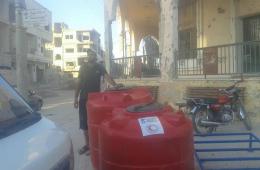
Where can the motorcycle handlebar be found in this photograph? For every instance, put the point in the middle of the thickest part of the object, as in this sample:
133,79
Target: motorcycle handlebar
231,87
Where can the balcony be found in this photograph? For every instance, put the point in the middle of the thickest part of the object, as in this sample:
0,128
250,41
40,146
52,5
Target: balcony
46,35
38,58
230,59
146,66
5,59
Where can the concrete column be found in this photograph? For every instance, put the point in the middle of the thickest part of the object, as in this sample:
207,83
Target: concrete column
21,52
199,23
110,16
108,45
168,38
123,36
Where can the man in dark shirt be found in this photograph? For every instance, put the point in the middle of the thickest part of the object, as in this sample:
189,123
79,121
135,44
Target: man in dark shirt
90,74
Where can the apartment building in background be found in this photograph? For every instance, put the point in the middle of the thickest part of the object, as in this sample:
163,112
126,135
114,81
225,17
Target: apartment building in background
5,59
37,21
70,47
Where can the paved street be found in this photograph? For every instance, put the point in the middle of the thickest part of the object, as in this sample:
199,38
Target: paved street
59,108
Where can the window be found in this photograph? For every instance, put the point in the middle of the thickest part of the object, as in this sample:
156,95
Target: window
57,42
69,50
57,28
15,114
47,28
251,32
69,37
85,37
187,42
70,64
58,57
80,49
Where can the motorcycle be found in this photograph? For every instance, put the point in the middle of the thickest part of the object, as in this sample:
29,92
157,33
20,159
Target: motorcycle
35,100
208,114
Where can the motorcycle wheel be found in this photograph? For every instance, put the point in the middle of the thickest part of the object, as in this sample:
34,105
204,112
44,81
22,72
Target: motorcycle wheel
246,120
196,118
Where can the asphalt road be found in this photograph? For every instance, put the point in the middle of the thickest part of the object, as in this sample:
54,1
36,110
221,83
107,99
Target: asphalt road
59,108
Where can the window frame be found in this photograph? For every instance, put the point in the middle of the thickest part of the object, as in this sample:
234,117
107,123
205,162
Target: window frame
74,64
56,57
84,38
72,50
58,42
67,37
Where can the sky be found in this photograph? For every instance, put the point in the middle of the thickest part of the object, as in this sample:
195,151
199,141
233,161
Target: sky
78,14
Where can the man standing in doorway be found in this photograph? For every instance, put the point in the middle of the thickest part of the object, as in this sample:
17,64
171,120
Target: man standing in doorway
90,74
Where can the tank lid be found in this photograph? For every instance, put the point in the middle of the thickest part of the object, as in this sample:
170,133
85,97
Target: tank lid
147,107
118,89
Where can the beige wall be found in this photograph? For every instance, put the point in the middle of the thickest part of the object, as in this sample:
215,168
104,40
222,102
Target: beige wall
187,16
216,22
222,20
248,7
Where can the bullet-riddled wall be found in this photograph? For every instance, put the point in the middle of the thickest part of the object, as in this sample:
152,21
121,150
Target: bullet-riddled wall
215,22
221,21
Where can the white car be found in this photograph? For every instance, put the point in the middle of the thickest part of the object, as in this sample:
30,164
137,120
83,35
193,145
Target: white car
28,141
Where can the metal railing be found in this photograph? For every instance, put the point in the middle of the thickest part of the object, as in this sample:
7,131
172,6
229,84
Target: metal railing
231,59
136,67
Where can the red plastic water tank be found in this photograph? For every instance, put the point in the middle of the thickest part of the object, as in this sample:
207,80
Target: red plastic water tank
148,137
100,107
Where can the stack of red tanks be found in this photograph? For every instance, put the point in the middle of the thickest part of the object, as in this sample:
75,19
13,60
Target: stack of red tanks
100,107
129,131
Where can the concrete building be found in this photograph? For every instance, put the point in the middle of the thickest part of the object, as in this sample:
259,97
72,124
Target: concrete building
5,33
57,48
7,54
202,43
70,47
37,23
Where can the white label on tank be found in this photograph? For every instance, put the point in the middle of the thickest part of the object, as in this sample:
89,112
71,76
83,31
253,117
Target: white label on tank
151,126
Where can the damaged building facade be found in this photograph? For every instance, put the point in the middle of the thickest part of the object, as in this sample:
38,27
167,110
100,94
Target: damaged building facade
201,43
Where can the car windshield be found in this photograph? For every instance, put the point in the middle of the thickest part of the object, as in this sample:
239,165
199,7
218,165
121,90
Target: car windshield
12,106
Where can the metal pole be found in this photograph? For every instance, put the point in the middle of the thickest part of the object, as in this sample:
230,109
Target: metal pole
21,51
